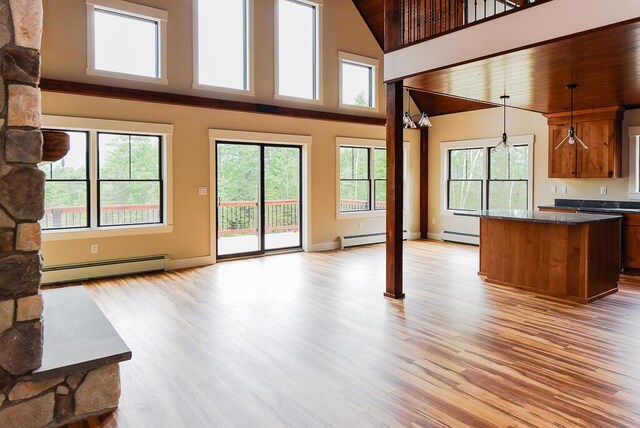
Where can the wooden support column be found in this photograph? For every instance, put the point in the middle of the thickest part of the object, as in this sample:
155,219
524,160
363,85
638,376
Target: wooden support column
424,182
392,24
394,190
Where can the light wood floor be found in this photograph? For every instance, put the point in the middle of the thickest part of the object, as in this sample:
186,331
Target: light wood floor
307,340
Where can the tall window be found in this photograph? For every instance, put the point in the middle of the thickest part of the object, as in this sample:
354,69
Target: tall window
298,49
67,190
223,44
483,177
358,76
126,40
380,179
355,179
109,179
129,179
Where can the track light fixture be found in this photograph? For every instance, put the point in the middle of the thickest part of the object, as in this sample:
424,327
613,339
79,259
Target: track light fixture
408,119
572,137
504,141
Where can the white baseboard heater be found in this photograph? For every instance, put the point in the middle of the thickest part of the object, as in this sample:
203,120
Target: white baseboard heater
463,238
369,238
105,269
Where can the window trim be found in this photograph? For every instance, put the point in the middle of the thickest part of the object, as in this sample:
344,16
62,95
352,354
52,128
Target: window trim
371,144
136,11
486,144
319,100
373,65
634,162
93,126
250,58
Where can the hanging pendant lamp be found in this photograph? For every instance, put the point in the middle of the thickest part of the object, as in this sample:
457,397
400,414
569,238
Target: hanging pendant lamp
504,141
572,137
408,119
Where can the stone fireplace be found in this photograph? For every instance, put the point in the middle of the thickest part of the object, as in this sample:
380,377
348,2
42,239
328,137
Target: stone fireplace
63,366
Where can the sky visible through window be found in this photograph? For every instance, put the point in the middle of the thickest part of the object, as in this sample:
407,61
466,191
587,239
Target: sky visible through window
356,84
296,49
221,43
126,44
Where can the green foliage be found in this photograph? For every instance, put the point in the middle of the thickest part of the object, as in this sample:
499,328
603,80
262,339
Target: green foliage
361,100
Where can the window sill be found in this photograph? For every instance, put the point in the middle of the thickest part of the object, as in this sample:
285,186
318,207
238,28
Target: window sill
223,90
107,232
125,76
358,108
365,214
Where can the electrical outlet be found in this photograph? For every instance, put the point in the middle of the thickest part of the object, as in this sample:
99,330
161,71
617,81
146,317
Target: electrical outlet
360,225
603,190
563,189
433,221
94,248
554,189
202,191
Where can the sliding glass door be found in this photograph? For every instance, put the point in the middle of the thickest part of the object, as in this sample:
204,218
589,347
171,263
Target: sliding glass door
258,198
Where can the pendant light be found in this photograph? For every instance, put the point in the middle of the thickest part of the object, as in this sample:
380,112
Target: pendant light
408,119
504,141
572,137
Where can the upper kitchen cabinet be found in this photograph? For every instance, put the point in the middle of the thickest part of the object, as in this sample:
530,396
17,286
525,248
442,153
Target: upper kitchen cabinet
601,131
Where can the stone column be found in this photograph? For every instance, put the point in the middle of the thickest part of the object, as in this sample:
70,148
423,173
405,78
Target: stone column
21,191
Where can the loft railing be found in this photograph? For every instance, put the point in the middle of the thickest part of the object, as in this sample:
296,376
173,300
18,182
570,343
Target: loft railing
424,19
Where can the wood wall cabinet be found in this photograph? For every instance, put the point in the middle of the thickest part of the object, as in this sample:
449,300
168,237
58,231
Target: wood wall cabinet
601,130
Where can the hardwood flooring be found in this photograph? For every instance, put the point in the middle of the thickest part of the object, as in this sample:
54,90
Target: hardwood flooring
307,340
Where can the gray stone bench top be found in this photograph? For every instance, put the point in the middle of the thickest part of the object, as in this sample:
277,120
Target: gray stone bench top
77,335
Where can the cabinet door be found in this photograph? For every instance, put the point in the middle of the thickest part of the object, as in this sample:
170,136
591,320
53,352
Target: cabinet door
563,161
598,160
632,246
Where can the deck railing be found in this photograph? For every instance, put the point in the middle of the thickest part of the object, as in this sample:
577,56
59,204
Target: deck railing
241,217
76,217
424,19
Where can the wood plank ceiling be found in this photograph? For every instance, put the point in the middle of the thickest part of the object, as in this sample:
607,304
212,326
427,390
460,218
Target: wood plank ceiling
604,62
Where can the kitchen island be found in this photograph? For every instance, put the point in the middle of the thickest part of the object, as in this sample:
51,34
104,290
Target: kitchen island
568,255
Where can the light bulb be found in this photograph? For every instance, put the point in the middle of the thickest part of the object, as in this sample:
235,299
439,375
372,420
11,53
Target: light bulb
424,121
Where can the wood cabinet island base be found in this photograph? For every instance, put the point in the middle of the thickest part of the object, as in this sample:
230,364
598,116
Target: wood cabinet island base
575,261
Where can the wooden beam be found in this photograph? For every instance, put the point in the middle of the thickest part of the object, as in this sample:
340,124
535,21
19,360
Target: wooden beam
103,91
424,183
394,287
392,23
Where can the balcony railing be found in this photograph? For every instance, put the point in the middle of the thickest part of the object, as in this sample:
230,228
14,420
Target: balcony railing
424,19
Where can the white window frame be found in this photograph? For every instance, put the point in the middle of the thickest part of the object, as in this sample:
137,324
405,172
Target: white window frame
374,65
93,127
250,91
319,55
137,11
367,143
634,158
485,144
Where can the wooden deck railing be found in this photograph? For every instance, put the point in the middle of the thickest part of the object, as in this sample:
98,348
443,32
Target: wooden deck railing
425,19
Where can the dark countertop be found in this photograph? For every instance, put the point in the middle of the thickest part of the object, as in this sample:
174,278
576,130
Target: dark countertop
632,207
541,216
77,335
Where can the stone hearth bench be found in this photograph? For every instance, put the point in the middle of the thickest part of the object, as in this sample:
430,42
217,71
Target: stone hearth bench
79,376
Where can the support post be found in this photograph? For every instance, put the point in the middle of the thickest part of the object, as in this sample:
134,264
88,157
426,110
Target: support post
394,287
424,183
392,24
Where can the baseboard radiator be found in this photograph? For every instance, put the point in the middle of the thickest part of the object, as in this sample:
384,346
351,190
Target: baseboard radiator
462,238
369,238
105,269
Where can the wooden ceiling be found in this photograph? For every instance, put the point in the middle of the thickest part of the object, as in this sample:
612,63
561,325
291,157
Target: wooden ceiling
604,62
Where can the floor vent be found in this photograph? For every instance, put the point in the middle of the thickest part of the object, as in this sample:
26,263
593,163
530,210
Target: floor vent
370,238
462,238
84,271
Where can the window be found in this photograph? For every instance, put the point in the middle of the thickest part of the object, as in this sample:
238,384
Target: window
479,176
508,179
126,40
380,179
116,176
298,48
355,179
129,179
223,39
465,179
67,191
358,78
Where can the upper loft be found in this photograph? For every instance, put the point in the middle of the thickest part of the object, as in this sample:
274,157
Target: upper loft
477,50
